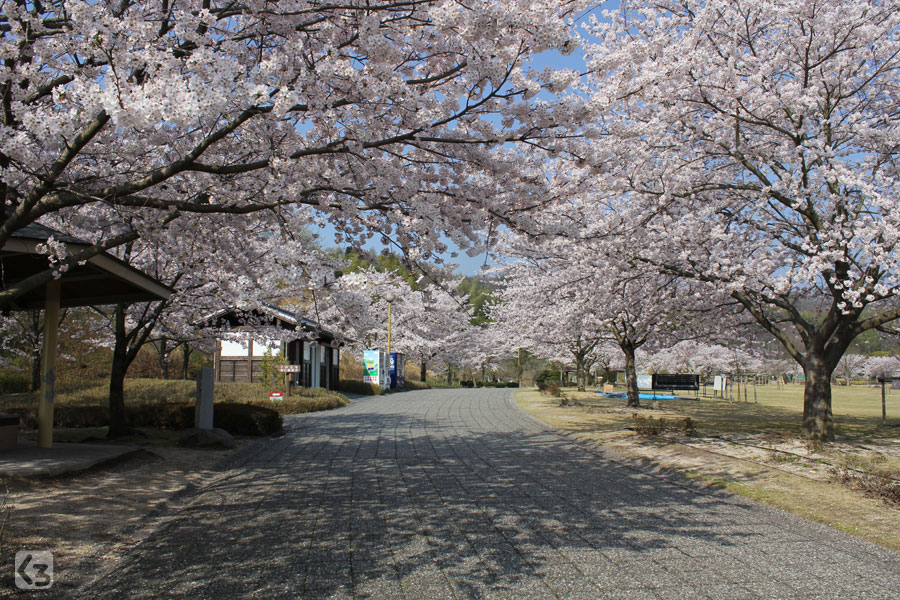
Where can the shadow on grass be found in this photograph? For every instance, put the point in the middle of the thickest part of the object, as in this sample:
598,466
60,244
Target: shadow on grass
714,416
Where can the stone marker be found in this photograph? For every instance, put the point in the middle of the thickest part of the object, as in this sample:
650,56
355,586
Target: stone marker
203,415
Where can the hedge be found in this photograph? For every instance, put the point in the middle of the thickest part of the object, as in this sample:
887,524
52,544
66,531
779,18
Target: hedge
467,383
355,386
236,418
415,385
14,382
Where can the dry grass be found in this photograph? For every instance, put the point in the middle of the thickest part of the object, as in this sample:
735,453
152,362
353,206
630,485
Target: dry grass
158,391
784,480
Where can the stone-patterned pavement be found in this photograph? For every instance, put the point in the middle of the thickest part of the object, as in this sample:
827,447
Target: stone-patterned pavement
459,494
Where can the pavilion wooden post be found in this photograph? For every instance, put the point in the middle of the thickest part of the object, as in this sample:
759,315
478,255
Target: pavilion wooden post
48,366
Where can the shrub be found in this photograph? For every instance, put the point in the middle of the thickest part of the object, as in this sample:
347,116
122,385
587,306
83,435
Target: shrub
256,393
63,416
269,374
466,383
14,382
245,419
551,389
546,376
415,385
873,485
298,403
137,391
649,426
163,416
497,384
238,419
355,386
169,415
234,417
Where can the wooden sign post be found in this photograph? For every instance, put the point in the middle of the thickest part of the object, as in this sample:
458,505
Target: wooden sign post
287,370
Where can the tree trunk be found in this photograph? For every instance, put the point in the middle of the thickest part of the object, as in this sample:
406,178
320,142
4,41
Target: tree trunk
185,360
35,369
423,372
634,399
519,367
164,358
117,424
818,421
36,337
579,370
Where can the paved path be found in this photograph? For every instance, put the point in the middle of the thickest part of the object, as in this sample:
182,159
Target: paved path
459,494
27,460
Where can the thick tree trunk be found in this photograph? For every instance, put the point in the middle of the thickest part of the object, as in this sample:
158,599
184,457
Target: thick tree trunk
117,424
634,399
818,421
423,372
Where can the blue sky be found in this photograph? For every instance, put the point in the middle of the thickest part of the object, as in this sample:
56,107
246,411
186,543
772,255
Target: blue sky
467,265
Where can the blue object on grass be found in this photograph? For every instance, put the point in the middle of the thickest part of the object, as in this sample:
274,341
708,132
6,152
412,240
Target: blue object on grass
643,396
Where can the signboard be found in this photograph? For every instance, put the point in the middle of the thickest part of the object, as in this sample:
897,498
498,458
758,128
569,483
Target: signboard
288,368
719,383
645,382
676,381
276,396
372,366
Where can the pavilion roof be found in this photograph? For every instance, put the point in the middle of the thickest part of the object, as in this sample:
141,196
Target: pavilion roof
101,279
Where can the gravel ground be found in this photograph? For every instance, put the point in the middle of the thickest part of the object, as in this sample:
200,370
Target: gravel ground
459,494
89,520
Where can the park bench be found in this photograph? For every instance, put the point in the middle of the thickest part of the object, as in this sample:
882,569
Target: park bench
676,382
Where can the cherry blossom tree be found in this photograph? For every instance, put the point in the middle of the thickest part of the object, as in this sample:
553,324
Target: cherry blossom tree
535,312
429,323
249,265
580,294
381,116
753,146
882,366
21,337
850,365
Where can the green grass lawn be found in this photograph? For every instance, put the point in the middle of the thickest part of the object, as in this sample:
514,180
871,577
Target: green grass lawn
779,409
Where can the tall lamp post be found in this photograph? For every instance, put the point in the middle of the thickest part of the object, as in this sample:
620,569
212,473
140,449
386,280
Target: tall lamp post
389,297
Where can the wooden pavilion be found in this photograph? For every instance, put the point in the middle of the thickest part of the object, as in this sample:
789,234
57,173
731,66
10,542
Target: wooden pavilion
100,279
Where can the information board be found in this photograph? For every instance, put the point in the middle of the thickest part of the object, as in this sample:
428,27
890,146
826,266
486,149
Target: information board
372,366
